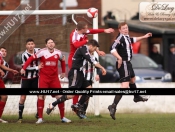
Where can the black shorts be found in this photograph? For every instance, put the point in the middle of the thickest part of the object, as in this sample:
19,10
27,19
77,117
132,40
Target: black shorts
29,83
126,71
76,78
87,83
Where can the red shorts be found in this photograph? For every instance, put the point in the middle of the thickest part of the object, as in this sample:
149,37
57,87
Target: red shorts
49,82
2,84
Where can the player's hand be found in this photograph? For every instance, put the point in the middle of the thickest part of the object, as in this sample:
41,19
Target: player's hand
22,72
97,78
148,35
62,75
109,30
15,72
1,73
40,65
103,71
101,53
63,58
119,63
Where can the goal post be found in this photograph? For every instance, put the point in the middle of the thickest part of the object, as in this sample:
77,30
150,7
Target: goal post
56,12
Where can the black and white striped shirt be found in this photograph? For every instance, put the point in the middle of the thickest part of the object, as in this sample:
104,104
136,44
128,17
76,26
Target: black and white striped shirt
123,46
32,69
89,69
79,56
6,72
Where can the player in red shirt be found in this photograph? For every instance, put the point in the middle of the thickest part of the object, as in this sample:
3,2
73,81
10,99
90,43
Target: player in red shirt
78,38
48,74
3,98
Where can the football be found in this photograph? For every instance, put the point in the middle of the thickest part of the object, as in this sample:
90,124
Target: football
92,12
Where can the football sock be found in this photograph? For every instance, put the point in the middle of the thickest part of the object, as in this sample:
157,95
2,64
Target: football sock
61,108
21,108
40,108
83,99
2,105
60,100
116,100
85,105
133,86
75,99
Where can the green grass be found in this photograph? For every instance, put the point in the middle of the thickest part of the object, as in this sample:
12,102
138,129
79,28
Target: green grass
102,123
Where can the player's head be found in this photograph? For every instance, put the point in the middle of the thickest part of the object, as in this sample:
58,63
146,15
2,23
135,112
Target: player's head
30,45
123,28
92,44
155,49
172,48
82,26
50,44
3,51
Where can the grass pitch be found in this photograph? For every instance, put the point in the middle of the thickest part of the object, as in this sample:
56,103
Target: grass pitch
103,123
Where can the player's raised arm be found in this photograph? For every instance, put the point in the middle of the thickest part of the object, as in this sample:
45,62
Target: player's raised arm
143,37
94,31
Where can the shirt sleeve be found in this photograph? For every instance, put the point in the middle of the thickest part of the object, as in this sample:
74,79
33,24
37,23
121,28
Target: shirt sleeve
116,43
98,69
114,46
94,31
133,39
63,64
39,54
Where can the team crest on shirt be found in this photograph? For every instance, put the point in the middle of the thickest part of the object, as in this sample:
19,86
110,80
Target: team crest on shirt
55,56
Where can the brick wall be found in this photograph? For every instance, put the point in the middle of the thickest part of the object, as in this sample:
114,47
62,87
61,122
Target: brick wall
16,42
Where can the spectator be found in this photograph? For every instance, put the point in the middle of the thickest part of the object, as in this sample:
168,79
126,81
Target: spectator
109,16
156,56
171,64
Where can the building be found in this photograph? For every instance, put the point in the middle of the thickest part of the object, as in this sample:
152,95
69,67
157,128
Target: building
163,35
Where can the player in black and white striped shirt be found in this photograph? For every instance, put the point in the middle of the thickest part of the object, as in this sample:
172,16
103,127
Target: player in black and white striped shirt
122,50
30,79
89,72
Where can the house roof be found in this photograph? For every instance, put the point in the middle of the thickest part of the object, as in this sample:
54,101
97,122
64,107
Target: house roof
144,27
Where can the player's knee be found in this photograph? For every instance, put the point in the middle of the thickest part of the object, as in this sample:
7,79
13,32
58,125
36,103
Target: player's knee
89,86
4,98
69,97
125,85
41,97
22,98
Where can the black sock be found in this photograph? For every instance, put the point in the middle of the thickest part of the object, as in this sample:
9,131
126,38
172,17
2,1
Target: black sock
116,100
21,108
133,86
37,108
85,105
83,99
60,100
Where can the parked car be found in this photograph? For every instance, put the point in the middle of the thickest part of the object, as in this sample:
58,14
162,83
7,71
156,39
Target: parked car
146,70
15,63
